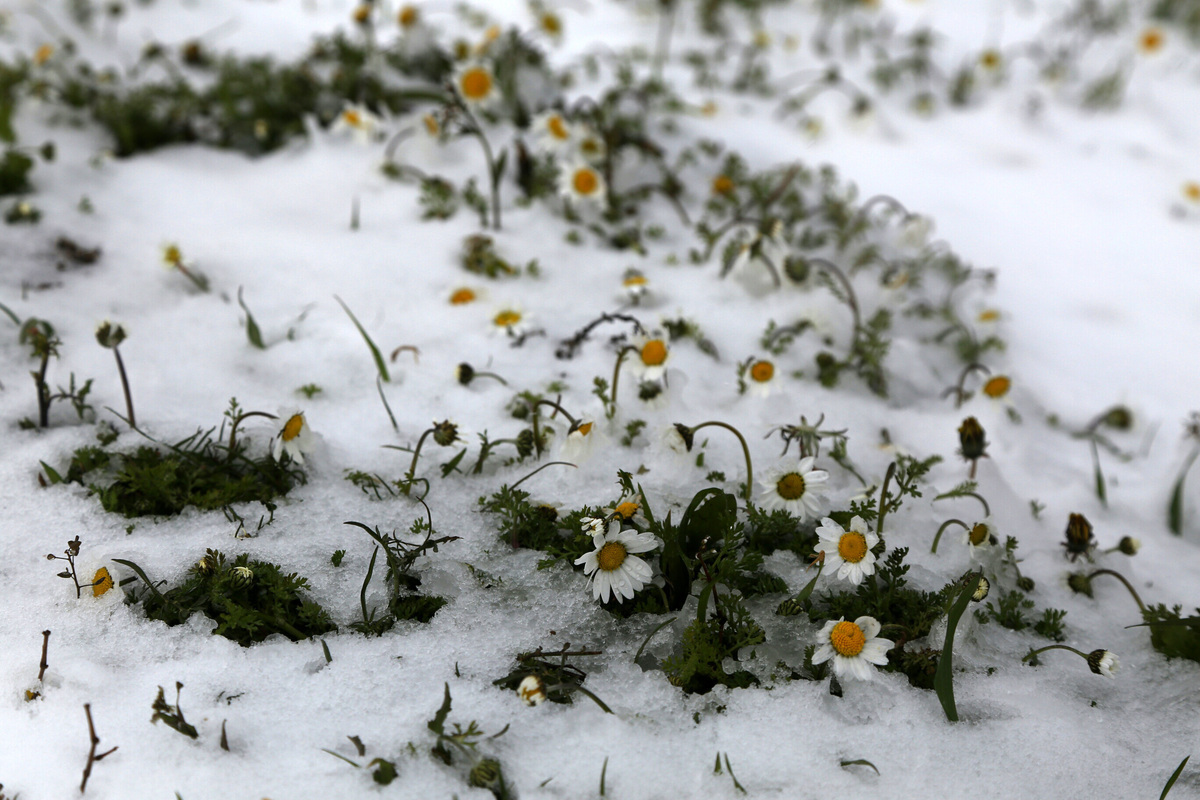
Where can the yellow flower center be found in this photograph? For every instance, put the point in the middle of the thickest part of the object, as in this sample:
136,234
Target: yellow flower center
352,118
762,371
990,59
43,54
291,428
475,83
1191,191
710,108
558,128
1151,40
790,486
989,315
172,254
506,319
590,147
362,14
101,582
584,429
722,184
654,353
611,556
635,280
978,534
462,297
432,126
847,639
408,16
997,387
852,547
585,181
551,24
627,510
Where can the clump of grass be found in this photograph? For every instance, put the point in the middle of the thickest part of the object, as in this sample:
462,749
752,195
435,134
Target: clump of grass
249,600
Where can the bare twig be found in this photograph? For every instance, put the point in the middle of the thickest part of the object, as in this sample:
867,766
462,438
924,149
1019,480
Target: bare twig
92,757
45,647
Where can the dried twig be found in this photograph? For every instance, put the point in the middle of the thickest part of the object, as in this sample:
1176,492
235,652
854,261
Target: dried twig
92,757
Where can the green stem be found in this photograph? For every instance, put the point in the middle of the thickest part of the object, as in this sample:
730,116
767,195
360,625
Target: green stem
412,468
612,403
1128,585
43,392
561,410
883,495
124,384
745,450
1055,647
491,375
944,525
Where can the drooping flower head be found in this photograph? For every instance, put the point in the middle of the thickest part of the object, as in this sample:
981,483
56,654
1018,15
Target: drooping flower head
294,439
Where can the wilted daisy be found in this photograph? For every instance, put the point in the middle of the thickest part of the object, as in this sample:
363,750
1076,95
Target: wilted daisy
294,439
532,690
551,131
847,551
614,571
43,54
581,183
980,537
764,248
853,646
649,357
636,285
476,84
510,320
761,377
794,488
580,442
359,122
1103,662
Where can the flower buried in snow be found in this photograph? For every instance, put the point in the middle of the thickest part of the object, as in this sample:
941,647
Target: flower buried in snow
359,122
649,358
532,690
294,439
853,646
476,84
510,320
794,489
761,377
613,568
581,183
848,551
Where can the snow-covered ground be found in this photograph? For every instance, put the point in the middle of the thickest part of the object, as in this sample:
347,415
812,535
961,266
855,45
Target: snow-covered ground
1082,214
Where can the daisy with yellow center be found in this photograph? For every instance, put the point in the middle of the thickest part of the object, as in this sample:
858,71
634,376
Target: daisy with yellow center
294,439
172,256
581,441
989,315
462,296
761,377
794,488
847,553
42,54
614,569
1191,190
510,321
636,285
723,185
362,14
990,60
853,647
997,387
979,537
551,25
628,511
589,146
476,84
357,121
551,131
581,183
1151,41
649,357
409,17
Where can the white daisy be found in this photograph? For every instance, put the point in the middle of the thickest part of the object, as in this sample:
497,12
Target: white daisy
359,122
853,646
614,570
979,538
294,439
649,358
532,690
915,230
589,146
848,551
768,250
476,84
510,320
629,510
1103,662
581,441
761,377
581,183
552,132
794,488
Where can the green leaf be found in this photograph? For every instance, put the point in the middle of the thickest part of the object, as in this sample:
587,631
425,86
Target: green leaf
943,679
380,364
861,762
1175,511
385,771
252,331
51,473
438,723
1174,777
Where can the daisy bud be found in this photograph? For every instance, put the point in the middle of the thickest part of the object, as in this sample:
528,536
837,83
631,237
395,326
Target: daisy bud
525,443
486,774
1119,418
532,690
109,335
1025,584
1102,662
465,373
206,565
445,433
1129,545
1079,583
981,591
685,433
797,268
649,391
972,439
242,576
1079,541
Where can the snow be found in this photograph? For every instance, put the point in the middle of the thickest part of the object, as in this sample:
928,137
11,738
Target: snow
1097,284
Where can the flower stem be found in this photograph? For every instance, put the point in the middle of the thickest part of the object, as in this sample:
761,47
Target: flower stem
957,390
491,375
1034,653
745,449
945,524
1128,585
125,385
412,469
612,402
561,410
851,298
883,496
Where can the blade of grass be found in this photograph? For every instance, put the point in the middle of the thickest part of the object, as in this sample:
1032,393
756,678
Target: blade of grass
1174,777
943,678
252,331
380,364
861,762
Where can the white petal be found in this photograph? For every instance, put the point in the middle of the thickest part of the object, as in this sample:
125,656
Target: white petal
822,654
861,669
805,465
638,569
601,586
870,626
